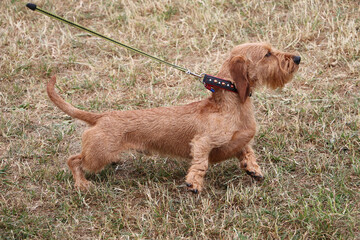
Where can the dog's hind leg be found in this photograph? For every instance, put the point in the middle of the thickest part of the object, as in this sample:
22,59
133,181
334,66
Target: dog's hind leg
74,163
99,149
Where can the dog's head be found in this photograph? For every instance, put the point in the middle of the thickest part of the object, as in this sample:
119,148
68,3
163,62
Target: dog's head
255,64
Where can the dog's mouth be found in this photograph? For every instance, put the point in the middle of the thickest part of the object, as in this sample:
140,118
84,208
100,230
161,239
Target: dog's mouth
289,66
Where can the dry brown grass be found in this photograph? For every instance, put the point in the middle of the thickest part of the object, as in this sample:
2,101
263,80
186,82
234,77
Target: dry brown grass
308,139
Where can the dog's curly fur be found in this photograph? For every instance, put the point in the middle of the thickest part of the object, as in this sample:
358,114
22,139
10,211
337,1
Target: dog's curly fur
209,131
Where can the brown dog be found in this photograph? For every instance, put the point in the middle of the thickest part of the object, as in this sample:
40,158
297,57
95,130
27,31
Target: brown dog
209,131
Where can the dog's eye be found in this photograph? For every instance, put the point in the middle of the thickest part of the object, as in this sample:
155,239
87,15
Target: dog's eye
268,54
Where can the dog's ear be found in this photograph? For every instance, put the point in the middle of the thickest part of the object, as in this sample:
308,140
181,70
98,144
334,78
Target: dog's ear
239,72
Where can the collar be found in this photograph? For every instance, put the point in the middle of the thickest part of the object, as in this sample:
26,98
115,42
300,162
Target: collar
211,82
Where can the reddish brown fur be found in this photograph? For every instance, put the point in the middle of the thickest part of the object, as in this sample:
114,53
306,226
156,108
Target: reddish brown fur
209,131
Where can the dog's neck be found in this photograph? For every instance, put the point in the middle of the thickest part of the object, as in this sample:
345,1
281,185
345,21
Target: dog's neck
224,73
227,100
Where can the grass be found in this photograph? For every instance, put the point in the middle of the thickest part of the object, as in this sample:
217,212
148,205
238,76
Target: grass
307,143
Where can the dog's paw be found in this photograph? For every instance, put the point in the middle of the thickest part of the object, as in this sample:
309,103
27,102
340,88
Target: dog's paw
252,169
193,188
194,182
83,185
258,177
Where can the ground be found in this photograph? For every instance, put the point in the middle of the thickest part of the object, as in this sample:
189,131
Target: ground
308,142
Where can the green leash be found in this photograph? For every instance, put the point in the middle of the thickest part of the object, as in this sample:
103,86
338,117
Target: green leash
210,82
35,8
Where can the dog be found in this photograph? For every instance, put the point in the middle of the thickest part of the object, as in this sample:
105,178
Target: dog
209,131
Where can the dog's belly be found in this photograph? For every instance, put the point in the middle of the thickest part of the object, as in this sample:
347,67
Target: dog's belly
160,132
179,147
170,143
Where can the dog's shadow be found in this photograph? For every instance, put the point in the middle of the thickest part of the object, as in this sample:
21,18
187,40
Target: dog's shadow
141,169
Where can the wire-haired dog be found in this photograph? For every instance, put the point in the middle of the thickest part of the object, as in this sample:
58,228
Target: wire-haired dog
209,131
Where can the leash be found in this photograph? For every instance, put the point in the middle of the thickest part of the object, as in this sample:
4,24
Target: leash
210,82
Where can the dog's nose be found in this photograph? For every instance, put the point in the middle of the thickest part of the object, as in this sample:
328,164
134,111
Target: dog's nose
297,59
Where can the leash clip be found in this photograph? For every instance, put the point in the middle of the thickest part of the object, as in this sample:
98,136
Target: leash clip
194,74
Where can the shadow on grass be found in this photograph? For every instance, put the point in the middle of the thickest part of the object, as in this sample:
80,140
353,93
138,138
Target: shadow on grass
143,169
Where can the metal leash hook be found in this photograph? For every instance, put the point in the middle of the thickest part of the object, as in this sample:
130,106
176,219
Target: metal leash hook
194,74
201,79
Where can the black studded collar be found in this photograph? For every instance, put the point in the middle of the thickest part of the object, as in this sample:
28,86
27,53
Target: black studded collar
211,82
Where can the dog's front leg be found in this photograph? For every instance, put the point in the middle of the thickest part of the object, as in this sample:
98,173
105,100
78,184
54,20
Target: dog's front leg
201,148
248,162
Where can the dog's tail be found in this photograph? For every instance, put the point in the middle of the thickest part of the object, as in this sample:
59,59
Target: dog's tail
90,118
